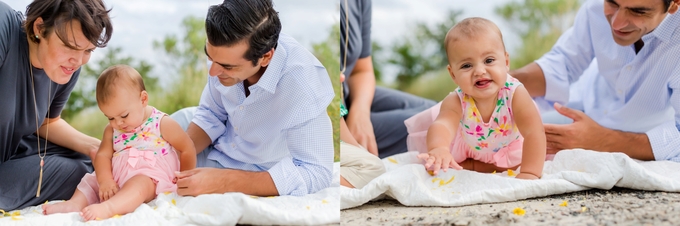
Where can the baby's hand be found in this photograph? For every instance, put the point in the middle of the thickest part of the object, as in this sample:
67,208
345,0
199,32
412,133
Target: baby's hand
439,158
527,176
107,190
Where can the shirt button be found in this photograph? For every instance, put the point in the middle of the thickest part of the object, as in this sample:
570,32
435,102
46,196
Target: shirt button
619,91
628,68
233,145
241,107
235,128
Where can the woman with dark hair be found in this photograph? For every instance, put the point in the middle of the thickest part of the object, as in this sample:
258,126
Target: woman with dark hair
41,156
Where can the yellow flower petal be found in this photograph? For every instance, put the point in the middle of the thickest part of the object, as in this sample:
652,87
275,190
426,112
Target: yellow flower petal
392,160
308,207
494,172
583,209
511,173
167,192
442,183
435,179
3,213
324,201
116,216
252,196
271,197
430,172
519,211
174,202
564,203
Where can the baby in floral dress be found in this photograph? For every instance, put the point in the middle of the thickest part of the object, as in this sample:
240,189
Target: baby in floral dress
139,154
489,122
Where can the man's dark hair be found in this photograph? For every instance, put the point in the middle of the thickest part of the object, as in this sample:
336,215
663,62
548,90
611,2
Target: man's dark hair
667,4
254,21
57,15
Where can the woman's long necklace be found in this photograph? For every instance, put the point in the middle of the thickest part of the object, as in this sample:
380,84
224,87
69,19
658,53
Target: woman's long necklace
37,127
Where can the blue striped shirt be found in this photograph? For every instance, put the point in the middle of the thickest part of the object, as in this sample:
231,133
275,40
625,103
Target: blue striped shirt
282,127
630,92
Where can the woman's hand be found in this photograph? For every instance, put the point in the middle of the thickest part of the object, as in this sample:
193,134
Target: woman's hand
107,190
439,158
362,130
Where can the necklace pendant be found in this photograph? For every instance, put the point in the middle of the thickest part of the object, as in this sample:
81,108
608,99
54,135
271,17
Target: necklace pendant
42,163
37,194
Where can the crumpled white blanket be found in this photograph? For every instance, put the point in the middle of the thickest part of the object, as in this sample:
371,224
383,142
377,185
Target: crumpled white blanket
571,170
322,207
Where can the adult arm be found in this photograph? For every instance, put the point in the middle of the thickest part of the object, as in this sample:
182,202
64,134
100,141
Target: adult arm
307,170
310,165
63,134
586,133
659,143
553,73
362,89
530,126
210,118
209,123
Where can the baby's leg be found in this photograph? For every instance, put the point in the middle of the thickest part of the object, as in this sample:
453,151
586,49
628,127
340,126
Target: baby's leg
75,204
136,191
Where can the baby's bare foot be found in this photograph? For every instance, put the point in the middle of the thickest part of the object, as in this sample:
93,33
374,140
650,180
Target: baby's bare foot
61,207
99,211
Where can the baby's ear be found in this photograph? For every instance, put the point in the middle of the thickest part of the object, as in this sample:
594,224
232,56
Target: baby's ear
145,97
507,60
448,67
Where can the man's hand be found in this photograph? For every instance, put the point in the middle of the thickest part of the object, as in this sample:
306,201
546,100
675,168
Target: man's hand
439,158
582,133
362,129
199,181
107,190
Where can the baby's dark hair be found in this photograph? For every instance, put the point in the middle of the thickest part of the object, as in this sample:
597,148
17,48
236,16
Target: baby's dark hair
470,28
115,78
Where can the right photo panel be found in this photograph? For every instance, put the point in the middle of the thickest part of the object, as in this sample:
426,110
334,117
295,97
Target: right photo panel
501,112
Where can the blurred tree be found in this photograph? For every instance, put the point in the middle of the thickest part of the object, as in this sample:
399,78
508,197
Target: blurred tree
423,52
187,59
539,23
328,52
83,95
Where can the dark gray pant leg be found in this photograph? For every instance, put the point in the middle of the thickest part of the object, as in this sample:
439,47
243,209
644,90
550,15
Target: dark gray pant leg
388,111
61,174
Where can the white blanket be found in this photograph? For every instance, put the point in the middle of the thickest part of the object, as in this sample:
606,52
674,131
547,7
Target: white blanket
223,209
574,170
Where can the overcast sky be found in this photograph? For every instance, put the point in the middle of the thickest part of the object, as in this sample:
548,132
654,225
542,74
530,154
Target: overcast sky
137,23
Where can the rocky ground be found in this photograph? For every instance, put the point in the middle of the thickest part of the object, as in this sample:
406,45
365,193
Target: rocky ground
593,207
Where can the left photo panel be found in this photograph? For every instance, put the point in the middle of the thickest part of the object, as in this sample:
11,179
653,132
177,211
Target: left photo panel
201,112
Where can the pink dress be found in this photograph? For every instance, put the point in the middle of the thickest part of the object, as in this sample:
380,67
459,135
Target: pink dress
142,151
495,142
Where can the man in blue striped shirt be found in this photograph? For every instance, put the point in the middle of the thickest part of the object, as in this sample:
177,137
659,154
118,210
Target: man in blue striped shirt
631,102
262,116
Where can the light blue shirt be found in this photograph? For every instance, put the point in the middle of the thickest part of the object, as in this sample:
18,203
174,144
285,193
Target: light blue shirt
282,127
629,92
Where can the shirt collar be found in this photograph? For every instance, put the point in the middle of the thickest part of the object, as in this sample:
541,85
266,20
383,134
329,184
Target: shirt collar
666,28
274,70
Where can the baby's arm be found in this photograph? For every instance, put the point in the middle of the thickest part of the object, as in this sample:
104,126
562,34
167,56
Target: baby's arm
172,132
531,127
441,133
102,166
